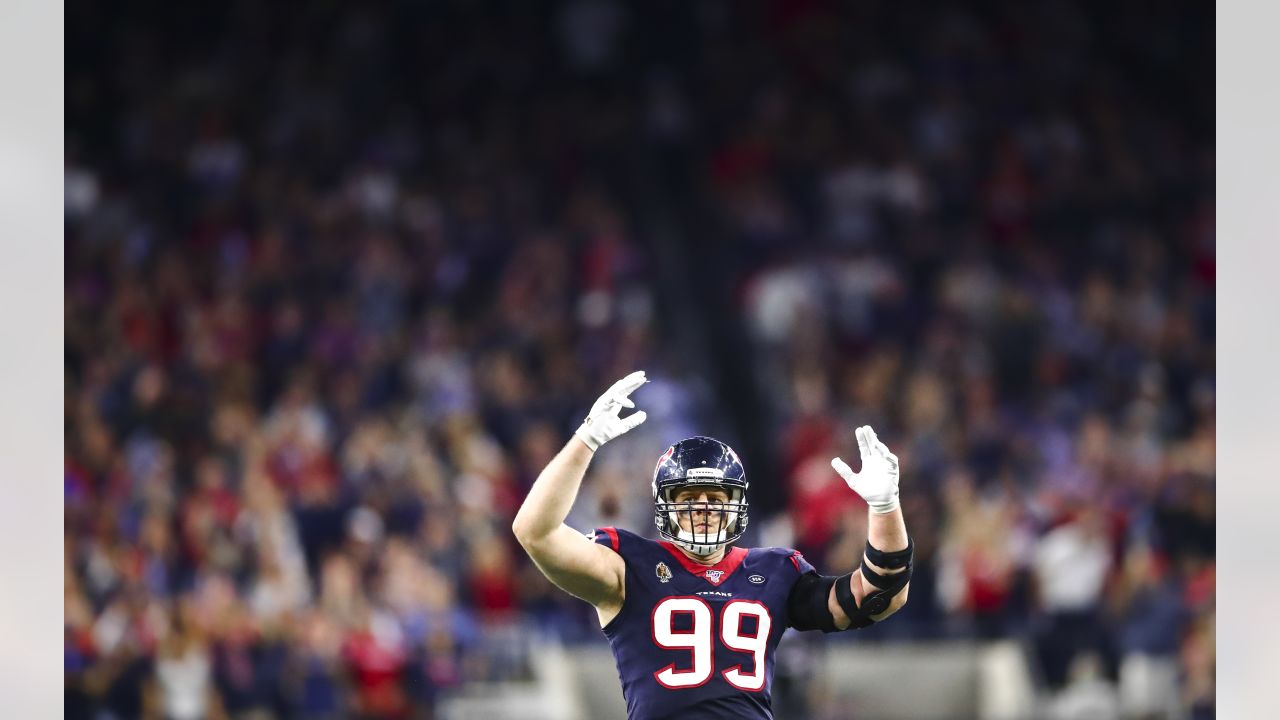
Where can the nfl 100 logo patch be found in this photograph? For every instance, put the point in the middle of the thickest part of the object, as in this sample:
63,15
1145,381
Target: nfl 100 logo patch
714,575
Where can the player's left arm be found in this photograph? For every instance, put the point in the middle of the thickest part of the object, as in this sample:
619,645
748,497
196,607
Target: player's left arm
878,588
886,565
888,533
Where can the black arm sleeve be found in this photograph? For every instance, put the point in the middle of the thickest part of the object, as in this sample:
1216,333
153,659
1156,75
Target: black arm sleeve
807,604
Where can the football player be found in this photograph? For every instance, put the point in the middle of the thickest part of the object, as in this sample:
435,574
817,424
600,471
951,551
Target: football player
692,620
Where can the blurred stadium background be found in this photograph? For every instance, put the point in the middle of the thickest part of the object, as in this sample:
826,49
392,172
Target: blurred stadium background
341,277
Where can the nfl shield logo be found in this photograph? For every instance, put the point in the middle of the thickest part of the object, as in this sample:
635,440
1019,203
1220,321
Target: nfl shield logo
664,572
714,575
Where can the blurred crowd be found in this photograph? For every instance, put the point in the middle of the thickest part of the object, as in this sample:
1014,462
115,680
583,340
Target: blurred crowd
995,244
339,281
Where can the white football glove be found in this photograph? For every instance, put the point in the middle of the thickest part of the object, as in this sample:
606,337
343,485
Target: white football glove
602,423
878,481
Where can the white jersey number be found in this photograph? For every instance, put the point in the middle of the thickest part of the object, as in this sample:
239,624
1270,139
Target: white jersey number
698,641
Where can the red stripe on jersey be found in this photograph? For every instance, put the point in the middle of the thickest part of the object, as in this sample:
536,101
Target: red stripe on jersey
613,537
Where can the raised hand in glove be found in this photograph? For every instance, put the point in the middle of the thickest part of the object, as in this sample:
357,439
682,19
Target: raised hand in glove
878,481
602,423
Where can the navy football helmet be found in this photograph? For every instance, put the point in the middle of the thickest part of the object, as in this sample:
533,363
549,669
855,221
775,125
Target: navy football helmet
698,462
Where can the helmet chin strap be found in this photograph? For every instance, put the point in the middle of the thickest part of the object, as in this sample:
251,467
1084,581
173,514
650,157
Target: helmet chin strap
702,549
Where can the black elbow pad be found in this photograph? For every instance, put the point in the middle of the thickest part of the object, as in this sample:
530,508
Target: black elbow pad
807,604
887,586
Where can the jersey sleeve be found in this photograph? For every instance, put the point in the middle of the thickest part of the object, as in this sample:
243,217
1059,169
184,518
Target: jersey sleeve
808,596
801,565
607,536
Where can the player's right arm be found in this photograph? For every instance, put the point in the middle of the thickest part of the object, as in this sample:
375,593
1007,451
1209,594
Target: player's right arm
570,560
574,563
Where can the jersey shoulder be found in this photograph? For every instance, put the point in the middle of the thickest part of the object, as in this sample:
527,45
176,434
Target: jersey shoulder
619,540
782,556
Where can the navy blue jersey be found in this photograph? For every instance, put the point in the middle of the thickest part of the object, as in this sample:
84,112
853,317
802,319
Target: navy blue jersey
693,641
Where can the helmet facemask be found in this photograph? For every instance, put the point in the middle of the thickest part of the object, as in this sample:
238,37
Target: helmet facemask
725,521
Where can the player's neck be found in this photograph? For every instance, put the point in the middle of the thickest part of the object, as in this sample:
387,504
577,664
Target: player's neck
711,559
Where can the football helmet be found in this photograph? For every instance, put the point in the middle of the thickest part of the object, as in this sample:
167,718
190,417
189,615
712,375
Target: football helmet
694,463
